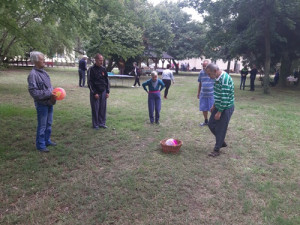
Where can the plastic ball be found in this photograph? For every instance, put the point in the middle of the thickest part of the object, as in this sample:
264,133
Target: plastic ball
59,93
171,142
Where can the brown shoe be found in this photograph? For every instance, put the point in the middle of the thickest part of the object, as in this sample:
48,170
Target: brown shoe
214,154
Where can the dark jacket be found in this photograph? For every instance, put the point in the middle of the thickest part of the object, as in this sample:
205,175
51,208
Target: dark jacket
98,79
244,72
82,65
39,86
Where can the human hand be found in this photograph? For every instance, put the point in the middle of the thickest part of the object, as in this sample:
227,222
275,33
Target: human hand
218,115
107,95
53,99
212,108
96,96
198,96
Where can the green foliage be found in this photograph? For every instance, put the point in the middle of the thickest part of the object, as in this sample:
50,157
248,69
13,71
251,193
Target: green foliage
47,26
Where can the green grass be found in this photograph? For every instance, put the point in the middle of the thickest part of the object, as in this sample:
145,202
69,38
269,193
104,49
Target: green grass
120,175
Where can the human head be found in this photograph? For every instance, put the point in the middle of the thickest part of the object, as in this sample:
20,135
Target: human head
154,75
134,64
98,59
254,66
38,59
212,70
84,57
168,66
205,63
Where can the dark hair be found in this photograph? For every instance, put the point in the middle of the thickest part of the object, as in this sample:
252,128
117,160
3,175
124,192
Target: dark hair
168,66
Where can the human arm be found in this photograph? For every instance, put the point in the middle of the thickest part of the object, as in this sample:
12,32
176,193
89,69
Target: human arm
199,89
162,85
144,85
37,88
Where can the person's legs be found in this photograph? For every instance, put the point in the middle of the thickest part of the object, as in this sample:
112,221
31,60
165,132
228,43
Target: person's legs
79,72
221,127
135,81
167,84
252,84
241,82
83,78
42,118
244,82
95,110
102,109
151,103
157,106
138,81
48,126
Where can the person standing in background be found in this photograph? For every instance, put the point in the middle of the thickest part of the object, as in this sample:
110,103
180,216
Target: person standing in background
205,93
167,77
81,70
244,73
253,73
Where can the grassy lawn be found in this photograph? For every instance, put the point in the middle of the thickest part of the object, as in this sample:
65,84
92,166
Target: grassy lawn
120,176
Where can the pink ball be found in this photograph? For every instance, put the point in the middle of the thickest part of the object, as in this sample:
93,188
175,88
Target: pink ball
171,142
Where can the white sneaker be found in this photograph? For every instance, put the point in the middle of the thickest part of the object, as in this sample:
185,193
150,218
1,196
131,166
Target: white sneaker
132,86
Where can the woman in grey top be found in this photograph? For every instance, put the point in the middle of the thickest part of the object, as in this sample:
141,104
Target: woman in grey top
167,77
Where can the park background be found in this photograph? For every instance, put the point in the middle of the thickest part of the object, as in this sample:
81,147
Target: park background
120,175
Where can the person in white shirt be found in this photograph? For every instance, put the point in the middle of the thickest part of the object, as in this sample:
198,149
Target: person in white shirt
167,77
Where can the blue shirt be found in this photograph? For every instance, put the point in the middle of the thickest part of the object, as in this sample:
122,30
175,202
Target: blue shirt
207,85
160,85
82,65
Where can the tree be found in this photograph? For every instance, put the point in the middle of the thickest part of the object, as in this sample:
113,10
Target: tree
255,29
47,26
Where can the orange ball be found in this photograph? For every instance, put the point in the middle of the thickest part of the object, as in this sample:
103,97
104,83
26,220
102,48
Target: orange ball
59,93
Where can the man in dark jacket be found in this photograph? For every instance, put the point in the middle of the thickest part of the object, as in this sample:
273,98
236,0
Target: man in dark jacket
99,92
253,73
81,71
40,88
136,73
244,73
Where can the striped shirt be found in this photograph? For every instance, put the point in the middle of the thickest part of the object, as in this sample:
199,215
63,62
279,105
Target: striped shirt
224,92
207,85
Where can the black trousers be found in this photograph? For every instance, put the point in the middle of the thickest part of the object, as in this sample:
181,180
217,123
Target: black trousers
168,84
219,127
137,81
252,79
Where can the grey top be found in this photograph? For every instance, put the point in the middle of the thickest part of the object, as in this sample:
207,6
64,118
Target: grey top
39,86
167,75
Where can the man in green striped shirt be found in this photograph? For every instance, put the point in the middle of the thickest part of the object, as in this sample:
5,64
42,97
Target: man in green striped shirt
223,107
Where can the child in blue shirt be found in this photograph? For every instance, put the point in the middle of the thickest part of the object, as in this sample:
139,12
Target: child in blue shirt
155,86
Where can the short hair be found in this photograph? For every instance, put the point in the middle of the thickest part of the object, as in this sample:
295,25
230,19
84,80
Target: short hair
212,66
154,73
168,66
98,55
34,56
205,60
134,63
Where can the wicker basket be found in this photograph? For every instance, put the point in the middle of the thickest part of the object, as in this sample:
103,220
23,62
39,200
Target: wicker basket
170,149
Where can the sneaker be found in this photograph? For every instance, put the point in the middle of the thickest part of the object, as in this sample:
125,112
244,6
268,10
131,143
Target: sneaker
103,126
51,144
132,86
157,122
44,150
224,145
96,128
203,124
214,154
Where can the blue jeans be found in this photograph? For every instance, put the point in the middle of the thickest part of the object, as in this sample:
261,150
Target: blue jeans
154,104
43,132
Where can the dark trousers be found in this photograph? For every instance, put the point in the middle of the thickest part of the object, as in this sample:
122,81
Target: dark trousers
219,127
243,81
98,107
168,84
154,103
81,77
137,81
252,79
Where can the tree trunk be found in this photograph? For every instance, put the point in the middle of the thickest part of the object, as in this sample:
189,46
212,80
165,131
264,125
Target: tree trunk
267,49
176,66
285,68
228,66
